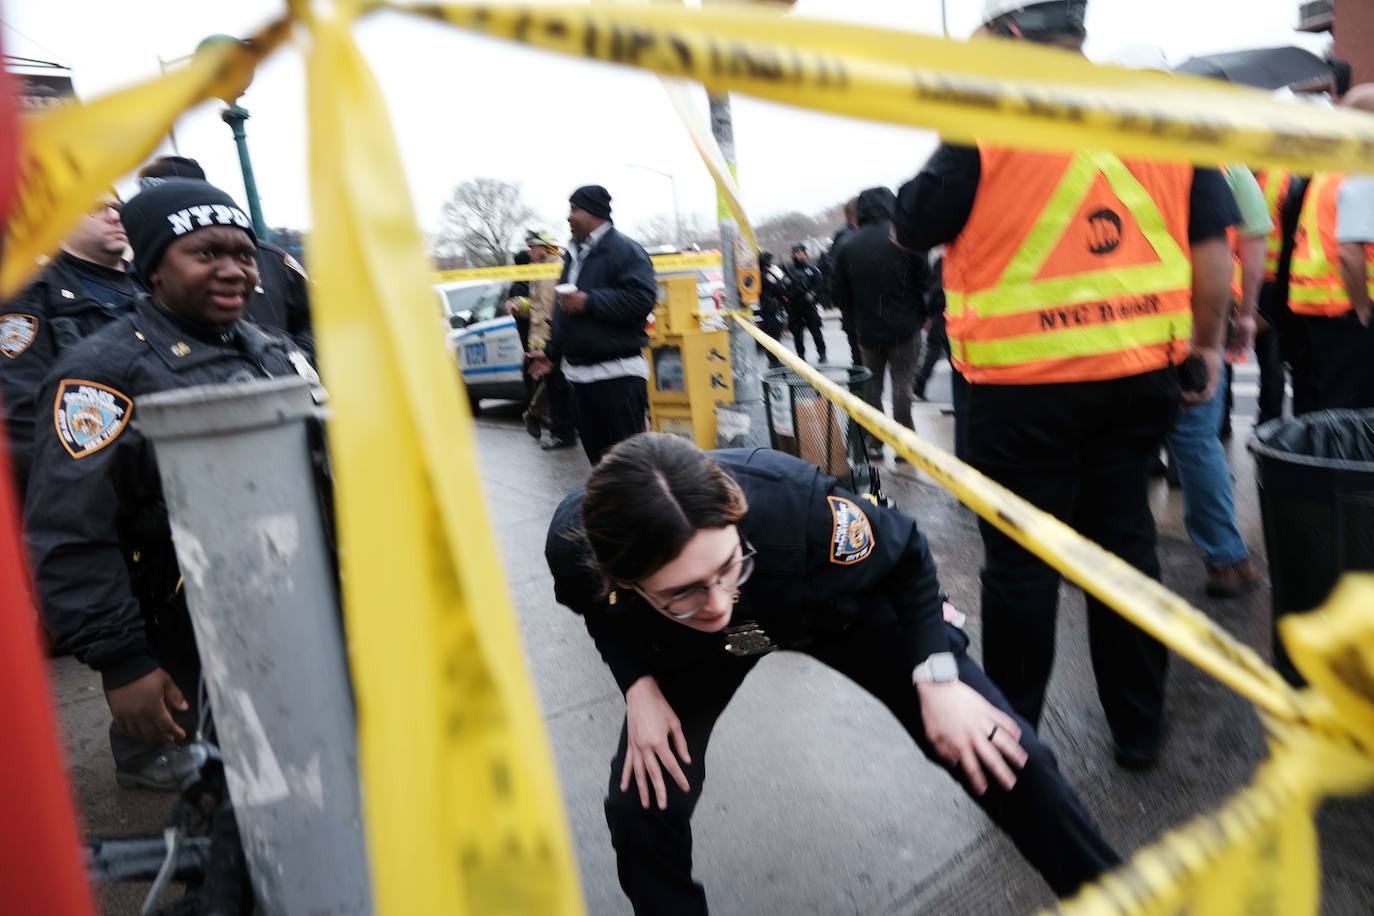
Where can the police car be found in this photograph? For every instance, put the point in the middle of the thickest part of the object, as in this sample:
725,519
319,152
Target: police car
486,344
484,340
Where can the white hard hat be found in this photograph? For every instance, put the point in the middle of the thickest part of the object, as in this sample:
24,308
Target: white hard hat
994,9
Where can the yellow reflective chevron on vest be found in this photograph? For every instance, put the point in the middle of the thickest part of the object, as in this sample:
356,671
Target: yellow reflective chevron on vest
1071,268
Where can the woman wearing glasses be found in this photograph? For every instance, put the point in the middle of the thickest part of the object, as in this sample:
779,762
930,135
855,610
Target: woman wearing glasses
687,567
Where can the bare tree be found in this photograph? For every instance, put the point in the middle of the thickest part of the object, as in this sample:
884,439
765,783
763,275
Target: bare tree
662,230
483,218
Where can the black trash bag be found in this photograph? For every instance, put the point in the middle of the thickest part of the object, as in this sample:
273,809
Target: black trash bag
1316,488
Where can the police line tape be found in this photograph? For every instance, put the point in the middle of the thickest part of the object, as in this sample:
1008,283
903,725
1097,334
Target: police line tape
462,807
1262,845
1137,597
1011,93
72,154
663,264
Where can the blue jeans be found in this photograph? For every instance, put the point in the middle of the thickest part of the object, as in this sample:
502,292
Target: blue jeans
1209,506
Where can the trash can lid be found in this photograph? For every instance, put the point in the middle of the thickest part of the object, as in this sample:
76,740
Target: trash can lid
1333,439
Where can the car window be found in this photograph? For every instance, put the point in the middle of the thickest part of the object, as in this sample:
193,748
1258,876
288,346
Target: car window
463,298
490,303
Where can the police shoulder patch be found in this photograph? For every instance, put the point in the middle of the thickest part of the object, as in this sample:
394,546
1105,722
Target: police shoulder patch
17,333
851,538
89,415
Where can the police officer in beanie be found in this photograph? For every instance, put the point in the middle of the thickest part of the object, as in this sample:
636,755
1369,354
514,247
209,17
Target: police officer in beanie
598,328
106,573
84,287
281,299
804,283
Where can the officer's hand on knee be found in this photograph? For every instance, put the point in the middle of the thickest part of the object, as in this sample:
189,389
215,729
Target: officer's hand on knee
969,732
140,709
650,725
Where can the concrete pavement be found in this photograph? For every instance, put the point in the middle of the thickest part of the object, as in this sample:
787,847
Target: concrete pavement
817,802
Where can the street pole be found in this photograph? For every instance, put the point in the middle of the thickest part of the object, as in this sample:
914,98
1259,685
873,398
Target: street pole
234,116
677,213
743,356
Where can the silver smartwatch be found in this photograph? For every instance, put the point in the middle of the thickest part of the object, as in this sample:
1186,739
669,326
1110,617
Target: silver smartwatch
939,668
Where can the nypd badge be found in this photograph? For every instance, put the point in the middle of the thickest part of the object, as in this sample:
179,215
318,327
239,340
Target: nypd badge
851,539
17,333
89,416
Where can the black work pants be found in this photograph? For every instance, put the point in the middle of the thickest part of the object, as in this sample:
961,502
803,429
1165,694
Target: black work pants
1342,361
1082,452
1271,375
802,317
1041,813
937,345
561,412
608,412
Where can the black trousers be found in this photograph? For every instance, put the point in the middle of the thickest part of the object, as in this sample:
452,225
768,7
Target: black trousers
1083,453
609,412
801,317
1342,362
937,345
1041,814
562,413
1271,375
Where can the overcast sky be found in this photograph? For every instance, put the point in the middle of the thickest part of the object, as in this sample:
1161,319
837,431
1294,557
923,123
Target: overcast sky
464,106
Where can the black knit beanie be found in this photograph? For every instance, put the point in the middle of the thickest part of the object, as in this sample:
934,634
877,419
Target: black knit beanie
158,216
593,198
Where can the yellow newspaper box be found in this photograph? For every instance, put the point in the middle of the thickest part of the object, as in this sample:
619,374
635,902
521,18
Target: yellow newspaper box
689,364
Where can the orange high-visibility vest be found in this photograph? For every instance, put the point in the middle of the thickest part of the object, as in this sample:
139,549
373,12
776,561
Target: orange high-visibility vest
1238,272
1315,287
1275,184
1072,268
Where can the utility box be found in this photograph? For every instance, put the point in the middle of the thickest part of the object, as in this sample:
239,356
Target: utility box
689,364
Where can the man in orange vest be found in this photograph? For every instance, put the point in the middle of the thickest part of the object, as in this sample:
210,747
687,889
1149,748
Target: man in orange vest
1332,279
1086,294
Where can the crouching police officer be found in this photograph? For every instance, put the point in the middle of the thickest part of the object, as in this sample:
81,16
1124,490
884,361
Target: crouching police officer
104,566
687,567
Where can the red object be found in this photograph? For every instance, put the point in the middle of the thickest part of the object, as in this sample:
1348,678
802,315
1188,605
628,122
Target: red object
40,863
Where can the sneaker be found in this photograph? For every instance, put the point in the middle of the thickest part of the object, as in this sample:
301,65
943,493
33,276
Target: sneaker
531,425
1233,580
900,460
170,770
556,442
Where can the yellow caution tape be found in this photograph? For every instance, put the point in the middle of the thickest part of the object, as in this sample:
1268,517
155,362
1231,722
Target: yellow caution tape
1137,597
1257,854
73,154
463,812
722,173
663,264
1012,93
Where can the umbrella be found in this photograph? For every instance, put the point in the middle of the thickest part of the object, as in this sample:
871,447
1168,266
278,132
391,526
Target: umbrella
1265,68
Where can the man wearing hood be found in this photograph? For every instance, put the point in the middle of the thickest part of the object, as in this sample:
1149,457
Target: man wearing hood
883,287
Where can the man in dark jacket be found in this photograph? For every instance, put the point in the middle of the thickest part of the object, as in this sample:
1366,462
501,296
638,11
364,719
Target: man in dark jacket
803,292
281,297
598,328
882,286
85,287
103,561
847,319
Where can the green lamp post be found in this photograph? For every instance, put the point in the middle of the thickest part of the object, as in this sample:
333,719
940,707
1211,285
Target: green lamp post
234,116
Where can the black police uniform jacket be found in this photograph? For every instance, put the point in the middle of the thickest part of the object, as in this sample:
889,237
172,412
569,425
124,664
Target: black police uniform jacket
804,284
827,561
97,529
618,278
49,316
282,298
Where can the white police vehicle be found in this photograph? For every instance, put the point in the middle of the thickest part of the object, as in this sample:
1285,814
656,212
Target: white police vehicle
484,340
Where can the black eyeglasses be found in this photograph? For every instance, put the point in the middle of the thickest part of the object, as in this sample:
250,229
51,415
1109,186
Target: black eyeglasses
690,602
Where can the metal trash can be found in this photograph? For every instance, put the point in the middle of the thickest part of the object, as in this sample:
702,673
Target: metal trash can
803,423
1316,487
